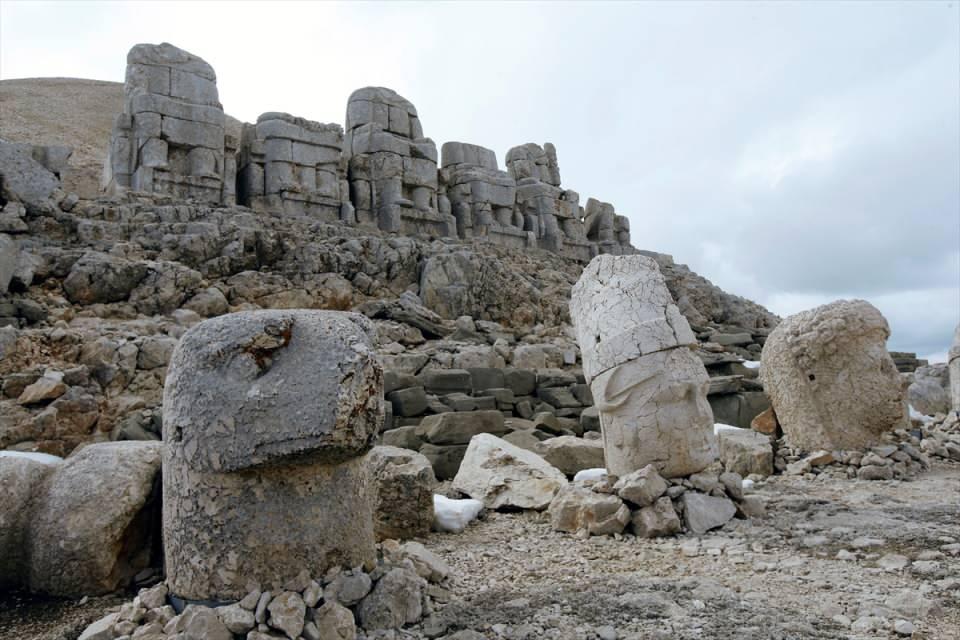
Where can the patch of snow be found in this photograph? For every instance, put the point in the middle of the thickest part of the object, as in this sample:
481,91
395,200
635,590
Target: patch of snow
453,516
916,415
747,484
43,458
590,474
719,426
751,364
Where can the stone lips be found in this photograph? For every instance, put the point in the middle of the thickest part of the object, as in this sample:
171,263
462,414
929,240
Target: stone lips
246,389
622,310
830,378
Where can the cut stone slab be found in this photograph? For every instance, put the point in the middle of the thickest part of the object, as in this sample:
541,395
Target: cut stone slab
702,512
460,426
502,475
571,454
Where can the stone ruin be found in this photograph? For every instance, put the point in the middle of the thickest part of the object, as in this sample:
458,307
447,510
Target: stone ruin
292,166
170,138
378,172
649,386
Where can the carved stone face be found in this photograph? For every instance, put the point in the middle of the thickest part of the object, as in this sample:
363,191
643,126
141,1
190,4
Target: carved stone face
654,410
650,388
831,380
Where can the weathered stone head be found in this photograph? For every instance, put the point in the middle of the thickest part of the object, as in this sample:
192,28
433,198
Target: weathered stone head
830,378
650,387
266,417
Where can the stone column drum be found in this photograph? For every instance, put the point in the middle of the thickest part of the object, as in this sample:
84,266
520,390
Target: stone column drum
954,371
267,415
650,387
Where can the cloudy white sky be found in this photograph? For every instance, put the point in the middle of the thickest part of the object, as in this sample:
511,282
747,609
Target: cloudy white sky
792,153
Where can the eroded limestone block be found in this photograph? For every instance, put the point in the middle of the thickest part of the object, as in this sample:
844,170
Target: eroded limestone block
93,529
503,475
830,378
405,485
650,388
266,417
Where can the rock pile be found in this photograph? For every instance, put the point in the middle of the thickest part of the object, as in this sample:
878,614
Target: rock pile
405,584
651,506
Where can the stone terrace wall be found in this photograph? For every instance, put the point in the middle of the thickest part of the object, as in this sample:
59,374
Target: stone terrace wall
379,171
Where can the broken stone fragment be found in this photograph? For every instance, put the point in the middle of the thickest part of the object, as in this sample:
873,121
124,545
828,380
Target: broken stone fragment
503,475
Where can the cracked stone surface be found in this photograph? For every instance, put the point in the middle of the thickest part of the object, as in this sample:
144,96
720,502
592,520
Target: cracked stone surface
650,388
267,416
830,378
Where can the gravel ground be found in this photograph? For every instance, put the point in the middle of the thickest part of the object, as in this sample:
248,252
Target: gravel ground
833,559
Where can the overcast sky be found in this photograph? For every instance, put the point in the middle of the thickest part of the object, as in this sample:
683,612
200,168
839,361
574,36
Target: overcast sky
792,153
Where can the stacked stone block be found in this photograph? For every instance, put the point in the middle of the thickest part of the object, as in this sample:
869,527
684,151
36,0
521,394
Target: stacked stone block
392,167
482,197
604,227
170,137
293,166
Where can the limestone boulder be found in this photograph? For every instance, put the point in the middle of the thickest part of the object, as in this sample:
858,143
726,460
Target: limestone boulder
394,602
656,520
642,487
830,378
929,393
95,526
571,454
577,508
23,179
405,483
745,451
502,475
23,477
98,277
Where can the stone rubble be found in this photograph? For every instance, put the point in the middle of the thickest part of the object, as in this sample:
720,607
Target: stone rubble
406,584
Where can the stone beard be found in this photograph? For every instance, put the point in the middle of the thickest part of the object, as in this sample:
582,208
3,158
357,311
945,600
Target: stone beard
649,386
